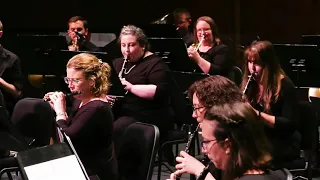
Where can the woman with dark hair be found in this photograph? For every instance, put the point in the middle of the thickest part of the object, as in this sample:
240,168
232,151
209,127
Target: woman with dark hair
211,91
208,52
273,96
235,142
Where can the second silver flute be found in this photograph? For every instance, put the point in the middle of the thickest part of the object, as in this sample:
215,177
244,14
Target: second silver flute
250,78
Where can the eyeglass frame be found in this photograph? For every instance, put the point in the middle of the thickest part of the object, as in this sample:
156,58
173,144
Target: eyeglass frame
72,80
196,109
206,142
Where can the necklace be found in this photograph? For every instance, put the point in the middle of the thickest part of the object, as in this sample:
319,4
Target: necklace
127,72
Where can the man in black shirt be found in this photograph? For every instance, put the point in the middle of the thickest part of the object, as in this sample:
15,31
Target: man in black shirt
79,34
10,86
10,77
183,22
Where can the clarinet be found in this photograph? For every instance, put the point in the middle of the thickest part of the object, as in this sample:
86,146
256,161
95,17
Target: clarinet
123,67
250,78
204,173
187,149
123,70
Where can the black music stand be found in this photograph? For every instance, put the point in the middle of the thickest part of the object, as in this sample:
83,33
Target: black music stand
116,88
311,39
38,53
174,52
159,30
300,62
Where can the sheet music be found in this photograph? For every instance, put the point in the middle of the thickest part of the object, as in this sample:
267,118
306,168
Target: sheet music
65,168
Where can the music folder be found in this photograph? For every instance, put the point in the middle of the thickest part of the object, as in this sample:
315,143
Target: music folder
51,162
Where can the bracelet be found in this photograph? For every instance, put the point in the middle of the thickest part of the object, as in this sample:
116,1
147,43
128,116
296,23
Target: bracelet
259,114
61,115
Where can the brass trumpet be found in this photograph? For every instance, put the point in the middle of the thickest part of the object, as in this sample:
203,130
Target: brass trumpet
196,46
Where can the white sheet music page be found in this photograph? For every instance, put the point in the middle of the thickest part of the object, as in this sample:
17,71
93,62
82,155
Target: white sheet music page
65,168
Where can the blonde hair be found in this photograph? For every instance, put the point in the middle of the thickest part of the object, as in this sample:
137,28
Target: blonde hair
94,69
1,26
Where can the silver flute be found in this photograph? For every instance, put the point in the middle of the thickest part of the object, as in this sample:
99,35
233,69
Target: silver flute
250,78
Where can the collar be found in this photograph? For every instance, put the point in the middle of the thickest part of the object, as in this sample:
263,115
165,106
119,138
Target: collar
2,54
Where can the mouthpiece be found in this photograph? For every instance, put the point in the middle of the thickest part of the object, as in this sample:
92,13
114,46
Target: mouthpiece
67,95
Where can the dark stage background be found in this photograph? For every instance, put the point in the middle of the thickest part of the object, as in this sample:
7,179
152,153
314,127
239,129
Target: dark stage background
278,21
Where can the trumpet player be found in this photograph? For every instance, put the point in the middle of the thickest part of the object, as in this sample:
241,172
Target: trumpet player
78,33
208,52
272,95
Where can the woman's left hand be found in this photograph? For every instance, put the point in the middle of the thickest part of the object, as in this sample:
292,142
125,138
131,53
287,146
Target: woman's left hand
57,99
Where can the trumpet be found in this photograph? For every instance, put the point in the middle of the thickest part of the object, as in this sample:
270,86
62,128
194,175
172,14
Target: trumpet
197,46
250,78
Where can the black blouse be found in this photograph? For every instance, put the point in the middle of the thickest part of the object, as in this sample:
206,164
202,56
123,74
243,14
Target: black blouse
149,70
219,58
90,129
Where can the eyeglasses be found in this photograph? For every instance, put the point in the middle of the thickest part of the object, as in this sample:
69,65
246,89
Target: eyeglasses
204,144
71,80
196,109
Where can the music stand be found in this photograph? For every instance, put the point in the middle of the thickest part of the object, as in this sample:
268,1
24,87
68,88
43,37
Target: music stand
37,53
174,52
116,88
300,62
311,39
159,30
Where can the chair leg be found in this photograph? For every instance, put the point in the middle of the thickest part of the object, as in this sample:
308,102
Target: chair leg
177,150
160,164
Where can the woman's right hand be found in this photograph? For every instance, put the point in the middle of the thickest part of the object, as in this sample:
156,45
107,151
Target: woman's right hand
188,164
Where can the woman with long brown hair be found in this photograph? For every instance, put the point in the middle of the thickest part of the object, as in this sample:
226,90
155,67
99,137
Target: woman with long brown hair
272,94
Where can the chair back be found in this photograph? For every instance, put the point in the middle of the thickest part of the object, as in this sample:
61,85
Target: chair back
138,151
235,75
308,126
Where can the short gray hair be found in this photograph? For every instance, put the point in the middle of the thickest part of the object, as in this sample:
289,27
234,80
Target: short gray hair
138,33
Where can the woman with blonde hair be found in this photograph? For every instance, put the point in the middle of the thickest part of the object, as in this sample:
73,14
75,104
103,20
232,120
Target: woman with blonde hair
90,119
